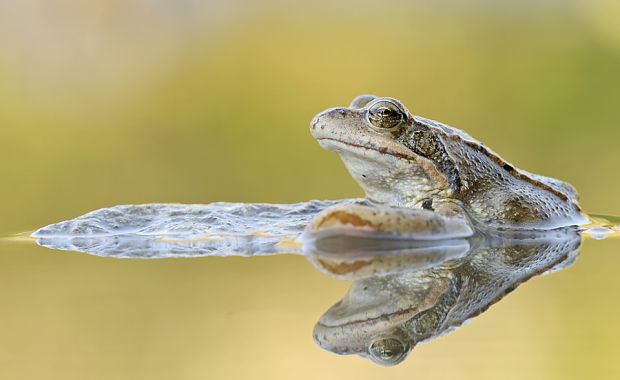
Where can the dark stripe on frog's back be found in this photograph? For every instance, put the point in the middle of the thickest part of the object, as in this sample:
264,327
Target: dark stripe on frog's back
455,134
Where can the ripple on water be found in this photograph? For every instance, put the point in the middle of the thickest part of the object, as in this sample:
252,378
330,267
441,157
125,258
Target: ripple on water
181,230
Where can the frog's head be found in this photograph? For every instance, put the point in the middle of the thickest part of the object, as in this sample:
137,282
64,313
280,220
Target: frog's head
382,318
363,328
383,148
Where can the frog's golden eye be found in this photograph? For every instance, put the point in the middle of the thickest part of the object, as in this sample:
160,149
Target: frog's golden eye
387,351
385,116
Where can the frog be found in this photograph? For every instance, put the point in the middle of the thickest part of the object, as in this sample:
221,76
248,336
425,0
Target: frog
383,317
406,161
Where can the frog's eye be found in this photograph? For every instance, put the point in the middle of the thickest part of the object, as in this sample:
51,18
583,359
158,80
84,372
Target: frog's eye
387,351
385,115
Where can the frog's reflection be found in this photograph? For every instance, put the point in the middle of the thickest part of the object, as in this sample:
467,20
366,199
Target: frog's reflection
416,273
411,292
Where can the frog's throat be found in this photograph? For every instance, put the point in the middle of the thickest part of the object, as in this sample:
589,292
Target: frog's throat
395,178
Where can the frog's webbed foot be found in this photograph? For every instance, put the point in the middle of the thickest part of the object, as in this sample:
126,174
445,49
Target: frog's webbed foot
355,241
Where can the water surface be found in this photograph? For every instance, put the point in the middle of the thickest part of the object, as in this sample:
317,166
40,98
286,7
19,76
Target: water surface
115,310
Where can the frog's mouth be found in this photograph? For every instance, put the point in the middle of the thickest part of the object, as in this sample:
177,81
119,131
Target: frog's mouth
326,141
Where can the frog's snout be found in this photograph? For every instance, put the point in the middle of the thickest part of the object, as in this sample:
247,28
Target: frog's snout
315,122
328,120
318,123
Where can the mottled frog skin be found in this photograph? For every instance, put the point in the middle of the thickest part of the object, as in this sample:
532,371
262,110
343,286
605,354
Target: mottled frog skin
402,160
383,317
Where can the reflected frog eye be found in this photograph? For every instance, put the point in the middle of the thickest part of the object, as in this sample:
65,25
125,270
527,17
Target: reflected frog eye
385,116
387,351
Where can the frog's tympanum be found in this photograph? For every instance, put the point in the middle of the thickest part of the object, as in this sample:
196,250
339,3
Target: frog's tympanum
383,317
408,161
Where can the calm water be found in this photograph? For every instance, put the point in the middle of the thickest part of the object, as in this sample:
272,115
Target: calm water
75,313
107,103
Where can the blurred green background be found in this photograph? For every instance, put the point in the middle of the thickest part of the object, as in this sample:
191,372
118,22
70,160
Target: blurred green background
114,102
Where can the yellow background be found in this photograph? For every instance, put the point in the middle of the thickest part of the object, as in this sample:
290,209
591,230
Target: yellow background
115,102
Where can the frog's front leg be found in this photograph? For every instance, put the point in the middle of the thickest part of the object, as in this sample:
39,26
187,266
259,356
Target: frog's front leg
355,241
446,221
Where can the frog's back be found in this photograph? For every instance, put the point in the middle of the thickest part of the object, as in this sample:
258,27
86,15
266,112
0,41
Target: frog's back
557,185
500,194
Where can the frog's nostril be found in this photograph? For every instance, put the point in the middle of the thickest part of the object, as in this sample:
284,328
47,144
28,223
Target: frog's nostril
314,122
341,112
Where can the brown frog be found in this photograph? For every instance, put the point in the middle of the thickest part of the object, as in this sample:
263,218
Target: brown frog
383,317
407,161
